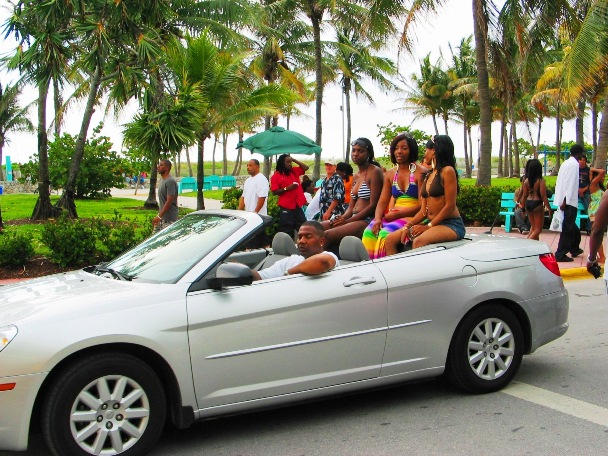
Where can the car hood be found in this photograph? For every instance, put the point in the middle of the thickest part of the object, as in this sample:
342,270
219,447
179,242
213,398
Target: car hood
487,247
59,293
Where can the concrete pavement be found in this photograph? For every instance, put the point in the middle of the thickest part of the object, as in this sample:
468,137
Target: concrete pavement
183,201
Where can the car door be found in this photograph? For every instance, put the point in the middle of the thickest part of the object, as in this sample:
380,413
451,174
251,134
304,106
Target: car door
427,292
288,334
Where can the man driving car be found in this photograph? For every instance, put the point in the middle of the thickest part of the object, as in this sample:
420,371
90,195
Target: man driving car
312,260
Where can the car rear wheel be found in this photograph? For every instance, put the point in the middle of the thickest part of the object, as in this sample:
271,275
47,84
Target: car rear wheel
106,404
486,350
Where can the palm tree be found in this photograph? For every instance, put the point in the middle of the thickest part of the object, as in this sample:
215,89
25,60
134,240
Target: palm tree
227,95
43,54
586,69
429,90
116,41
13,118
463,85
170,128
356,61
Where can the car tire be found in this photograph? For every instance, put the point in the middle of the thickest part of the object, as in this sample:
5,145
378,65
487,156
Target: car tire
111,402
486,350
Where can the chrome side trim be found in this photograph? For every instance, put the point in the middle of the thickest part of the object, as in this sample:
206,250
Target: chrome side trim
293,344
413,323
310,341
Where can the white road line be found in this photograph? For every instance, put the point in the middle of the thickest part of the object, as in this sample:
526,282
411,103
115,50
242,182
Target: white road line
559,402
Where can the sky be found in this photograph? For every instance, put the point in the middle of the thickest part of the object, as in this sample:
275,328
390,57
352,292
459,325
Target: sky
453,23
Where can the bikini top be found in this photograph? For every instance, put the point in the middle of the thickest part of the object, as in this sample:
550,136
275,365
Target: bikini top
436,188
363,192
412,188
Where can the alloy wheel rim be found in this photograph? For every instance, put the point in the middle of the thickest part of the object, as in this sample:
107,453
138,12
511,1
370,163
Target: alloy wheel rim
109,415
491,348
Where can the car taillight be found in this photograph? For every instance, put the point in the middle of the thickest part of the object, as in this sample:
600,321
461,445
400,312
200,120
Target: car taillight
548,259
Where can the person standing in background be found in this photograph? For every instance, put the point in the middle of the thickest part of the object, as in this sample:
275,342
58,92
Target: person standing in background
584,196
255,190
566,199
285,183
167,197
332,193
345,171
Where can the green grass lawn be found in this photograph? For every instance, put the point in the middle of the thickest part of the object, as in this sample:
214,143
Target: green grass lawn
18,208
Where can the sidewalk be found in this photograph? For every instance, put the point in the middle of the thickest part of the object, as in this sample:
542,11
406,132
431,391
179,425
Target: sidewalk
182,201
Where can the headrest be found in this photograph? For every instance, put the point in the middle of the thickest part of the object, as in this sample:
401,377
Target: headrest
282,244
352,249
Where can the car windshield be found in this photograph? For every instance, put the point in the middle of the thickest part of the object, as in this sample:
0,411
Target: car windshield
167,256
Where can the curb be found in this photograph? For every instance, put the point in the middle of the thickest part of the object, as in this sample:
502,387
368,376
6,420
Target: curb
575,273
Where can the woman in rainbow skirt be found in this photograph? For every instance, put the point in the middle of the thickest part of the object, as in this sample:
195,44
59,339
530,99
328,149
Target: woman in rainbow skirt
399,199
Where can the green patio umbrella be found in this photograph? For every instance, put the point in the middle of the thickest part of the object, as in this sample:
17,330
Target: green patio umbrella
278,141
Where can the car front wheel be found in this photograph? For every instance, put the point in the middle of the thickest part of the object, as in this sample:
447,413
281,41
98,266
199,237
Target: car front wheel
486,350
105,404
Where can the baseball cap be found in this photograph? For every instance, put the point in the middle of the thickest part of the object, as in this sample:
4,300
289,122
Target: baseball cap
330,162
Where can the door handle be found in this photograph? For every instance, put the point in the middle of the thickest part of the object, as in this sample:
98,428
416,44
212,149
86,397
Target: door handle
359,281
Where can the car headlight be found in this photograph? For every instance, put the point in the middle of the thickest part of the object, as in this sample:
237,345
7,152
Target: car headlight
7,333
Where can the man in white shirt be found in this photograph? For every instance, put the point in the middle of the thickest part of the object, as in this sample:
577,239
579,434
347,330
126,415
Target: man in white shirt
312,261
566,198
255,190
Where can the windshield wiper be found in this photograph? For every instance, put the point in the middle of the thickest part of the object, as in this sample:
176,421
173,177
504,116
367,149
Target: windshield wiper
119,275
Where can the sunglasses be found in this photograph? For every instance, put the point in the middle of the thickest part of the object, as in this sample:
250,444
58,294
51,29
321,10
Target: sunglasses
360,143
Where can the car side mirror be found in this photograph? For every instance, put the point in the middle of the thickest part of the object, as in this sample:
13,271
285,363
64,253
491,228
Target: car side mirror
230,275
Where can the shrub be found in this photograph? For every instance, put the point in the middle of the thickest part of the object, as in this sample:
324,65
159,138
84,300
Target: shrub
480,205
15,249
72,242
118,236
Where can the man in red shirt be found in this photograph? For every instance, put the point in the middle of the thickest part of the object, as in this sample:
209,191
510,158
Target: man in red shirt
285,183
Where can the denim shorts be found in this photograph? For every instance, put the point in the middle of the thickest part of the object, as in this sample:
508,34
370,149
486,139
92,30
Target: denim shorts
456,225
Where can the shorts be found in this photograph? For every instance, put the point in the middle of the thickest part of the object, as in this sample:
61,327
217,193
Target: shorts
456,225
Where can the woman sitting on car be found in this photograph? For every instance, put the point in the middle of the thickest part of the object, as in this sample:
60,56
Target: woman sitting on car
438,206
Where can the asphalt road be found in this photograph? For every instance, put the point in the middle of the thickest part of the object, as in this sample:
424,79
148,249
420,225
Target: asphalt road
558,405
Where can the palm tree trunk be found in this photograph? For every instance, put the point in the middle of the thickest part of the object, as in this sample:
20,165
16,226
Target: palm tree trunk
505,142
151,202
43,209
189,162
515,145
580,114
67,199
58,103
603,137
315,17
558,142
500,172
224,153
595,161
540,124
213,155
467,165
348,125
200,172
483,90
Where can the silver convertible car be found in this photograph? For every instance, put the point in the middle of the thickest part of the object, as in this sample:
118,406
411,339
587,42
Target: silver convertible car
174,329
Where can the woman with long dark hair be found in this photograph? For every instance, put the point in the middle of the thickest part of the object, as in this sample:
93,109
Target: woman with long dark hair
534,198
399,200
438,206
365,192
